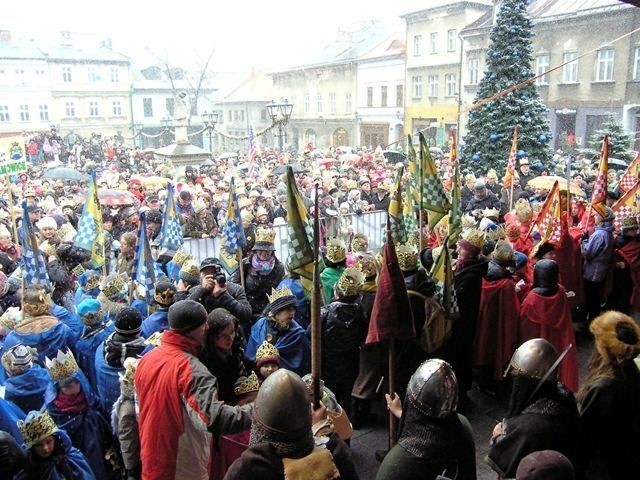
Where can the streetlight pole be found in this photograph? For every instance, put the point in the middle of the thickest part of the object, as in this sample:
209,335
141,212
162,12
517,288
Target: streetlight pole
210,120
280,114
138,134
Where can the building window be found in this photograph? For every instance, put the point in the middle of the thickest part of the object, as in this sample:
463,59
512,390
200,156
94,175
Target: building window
369,96
70,109
570,70
307,101
92,74
220,116
319,102
230,115
147,107
636,65
474,71
44,113
39,72
116,108
94,111
399,96
115,75
169,103
263,115
450,85
24,113
452,37
417,86
604,66
19,72
433,85
383,96
347,103
542,65
236,116
66,74
242,115
433,42
4,114
332,103
417,45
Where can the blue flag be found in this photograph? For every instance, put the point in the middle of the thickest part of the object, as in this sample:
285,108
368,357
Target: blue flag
144,271
171,234
34,270
232,233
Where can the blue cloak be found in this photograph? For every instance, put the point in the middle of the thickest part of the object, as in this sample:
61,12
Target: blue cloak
9,416
86,348
71,320
158,321
89,430
141,306
107,380
292,344
27,390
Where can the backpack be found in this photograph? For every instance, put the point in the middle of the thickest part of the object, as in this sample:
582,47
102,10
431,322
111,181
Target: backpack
437,325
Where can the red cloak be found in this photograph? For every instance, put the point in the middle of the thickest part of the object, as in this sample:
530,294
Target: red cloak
630,254
569,258
497,330
550,318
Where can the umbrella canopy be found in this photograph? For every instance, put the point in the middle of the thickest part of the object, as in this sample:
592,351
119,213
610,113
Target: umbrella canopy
65,173
546,182
208,163
282,169
617,164
394,157
153,181
116,198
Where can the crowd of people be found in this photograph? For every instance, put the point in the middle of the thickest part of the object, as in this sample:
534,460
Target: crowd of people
210,378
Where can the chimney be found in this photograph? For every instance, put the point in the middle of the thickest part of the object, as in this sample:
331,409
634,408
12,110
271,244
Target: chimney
107,42
65,38
5,36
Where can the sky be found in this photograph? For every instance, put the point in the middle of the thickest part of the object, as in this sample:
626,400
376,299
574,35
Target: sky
243,34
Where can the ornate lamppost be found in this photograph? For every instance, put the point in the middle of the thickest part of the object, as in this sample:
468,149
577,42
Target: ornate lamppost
210,120
280,114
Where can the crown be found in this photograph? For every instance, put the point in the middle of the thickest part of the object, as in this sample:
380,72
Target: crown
367,265
66,231
490,212
250,384
78,270
496,233
279,293
524,212
336,250
36,427
189,270
154,339
265,234
503,252
360,243
47,248
407,257
350,282
179,257
165,297
39,305
630,222
267,352
468,221
11,317
112,286
62,366
513,230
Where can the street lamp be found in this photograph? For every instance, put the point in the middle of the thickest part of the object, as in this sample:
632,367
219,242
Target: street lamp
138,133
280,114
210,120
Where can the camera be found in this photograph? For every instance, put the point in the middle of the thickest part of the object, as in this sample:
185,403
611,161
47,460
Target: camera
219,275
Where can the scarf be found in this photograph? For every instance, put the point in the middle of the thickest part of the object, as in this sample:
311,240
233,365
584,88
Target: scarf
71,403
117,349
263,267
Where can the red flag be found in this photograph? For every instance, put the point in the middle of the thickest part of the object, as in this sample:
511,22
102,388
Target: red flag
453,161
511,165
630,175
391,315
598,199
549,220
627,205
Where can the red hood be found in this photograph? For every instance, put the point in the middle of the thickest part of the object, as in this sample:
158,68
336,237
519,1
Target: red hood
547,310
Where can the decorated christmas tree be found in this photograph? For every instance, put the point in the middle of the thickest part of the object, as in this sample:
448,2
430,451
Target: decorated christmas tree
490,126
619,141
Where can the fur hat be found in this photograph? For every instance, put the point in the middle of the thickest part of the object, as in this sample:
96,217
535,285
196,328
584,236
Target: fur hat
617,336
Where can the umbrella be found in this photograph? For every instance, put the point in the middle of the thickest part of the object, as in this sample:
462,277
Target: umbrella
208,163
153,181
617,164
65,173
394,157
282,169
116,198
326,161
546,182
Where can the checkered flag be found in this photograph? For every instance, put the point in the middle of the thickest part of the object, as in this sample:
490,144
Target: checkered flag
171,233
34,270
433,197
598,199
232,232
511,164
442,274
397,228
549,220
90,235
300,232
627,205
144,269
630,175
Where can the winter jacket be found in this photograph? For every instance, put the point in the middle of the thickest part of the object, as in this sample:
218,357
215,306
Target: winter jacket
179,411
258,286
234,300
598,253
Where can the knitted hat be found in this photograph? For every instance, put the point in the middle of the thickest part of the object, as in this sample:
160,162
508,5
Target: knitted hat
281,299
545,465
543,249
89,311
189,273
47,222
18,359
128,321
186,315
165,293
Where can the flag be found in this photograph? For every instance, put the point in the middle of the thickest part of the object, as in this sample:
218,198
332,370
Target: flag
409,208
144,270
442,274
455,217
171,233
396,211
232,233
433,197
453,161
252,154
391,313
598,199
300,232
626,205
630,175
511,164
549,220
414,171
34,270
90,236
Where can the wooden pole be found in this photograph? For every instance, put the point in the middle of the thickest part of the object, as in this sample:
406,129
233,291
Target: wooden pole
568,188
14,227
392,386
511,194
316,332
240,266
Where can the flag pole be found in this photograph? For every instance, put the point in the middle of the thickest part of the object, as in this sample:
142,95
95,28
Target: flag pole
420,211
240,266
391,355
316,347
14,228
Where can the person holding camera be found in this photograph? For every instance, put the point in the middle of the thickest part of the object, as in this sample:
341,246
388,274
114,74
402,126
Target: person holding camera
215,292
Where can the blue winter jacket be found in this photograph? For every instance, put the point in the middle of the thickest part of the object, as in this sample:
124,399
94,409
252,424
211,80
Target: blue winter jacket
598,254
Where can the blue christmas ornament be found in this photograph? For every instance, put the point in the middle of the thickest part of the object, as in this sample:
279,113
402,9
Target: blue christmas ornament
538,165
493,137
513,30
523,97
526,114
475,157
542,138
514,53
521,153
